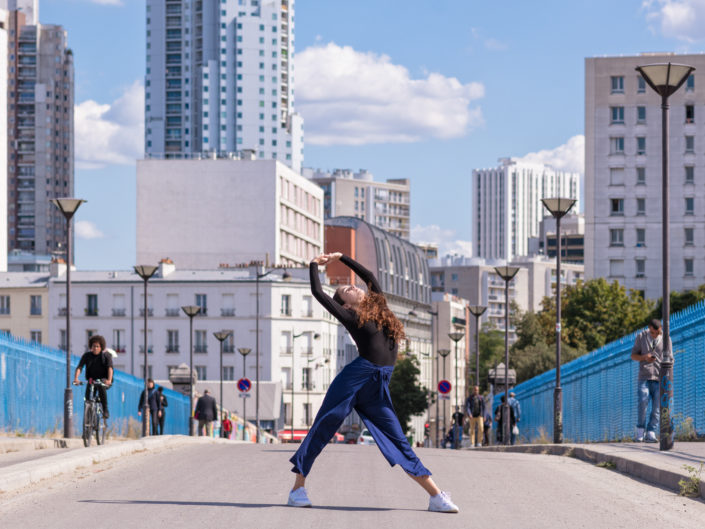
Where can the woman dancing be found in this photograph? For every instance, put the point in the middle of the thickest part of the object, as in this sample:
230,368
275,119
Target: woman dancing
363,384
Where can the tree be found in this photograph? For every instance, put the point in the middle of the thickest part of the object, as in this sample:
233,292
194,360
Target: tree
679,301
491,352
408,396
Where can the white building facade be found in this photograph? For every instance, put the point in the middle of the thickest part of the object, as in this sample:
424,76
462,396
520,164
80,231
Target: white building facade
220,79
507,205
250,210
623,175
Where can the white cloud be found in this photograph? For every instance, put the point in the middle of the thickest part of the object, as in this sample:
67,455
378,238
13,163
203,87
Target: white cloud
110,133
679,19
86,229
446,239
567,157
349,97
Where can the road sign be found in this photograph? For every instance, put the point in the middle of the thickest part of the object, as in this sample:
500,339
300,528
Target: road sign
444,397
244,385
244,395
444,386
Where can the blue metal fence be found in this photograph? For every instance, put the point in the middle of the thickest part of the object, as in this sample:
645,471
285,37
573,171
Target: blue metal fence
599,388
32,382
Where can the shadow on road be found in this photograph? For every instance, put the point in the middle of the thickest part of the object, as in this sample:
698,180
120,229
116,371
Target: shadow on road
240,505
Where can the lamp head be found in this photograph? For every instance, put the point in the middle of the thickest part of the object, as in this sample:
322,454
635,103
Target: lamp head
506,272
222,335
191,310
558,207
477,310
145,271
67,206
665,78
456,336
244,351
444,352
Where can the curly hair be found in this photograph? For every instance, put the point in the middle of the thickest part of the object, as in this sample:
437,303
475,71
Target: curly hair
373,307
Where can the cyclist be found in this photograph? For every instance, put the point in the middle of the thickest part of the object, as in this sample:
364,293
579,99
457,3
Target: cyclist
99,365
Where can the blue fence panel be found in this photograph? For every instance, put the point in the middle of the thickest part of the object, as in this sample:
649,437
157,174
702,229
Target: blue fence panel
32,382
599,388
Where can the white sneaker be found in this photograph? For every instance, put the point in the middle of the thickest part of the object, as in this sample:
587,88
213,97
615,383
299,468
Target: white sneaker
299,498
639,435
441,503
651,437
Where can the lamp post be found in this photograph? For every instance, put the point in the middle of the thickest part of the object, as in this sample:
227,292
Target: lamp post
507,273
145,272
190,311
221,337
444,353
244,351
68,207
558,207
258,276
293,354
665,79
456,337
477,311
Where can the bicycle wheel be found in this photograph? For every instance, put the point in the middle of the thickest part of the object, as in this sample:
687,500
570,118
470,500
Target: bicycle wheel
99,428
88,417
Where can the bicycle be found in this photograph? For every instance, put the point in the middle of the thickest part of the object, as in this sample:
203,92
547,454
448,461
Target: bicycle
92,414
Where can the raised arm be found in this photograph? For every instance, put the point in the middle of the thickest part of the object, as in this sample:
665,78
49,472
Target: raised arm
363,273
324,299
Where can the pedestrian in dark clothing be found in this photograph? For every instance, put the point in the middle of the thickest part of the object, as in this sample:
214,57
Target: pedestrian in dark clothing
488,428
458,420
154,405
164,403
206,413
499,418
516,408
226,427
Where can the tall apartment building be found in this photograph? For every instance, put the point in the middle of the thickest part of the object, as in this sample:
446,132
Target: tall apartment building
623,175
220,79
387,204
507,205
39,129
4,71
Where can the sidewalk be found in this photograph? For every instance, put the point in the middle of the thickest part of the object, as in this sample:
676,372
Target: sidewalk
640,460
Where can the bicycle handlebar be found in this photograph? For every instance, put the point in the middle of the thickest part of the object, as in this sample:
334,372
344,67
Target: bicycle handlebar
95,382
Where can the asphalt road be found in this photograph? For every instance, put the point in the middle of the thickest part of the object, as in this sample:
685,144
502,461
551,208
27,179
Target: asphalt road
246,486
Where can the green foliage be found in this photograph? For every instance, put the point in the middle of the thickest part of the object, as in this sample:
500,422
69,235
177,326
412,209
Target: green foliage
408,396
491,352
691,486
679,301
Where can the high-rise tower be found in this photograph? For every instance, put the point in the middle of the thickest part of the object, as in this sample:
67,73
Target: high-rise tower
220,80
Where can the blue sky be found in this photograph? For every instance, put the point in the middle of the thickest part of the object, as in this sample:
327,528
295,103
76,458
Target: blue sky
441,88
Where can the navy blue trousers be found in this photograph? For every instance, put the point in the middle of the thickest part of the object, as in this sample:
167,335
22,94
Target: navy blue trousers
362,386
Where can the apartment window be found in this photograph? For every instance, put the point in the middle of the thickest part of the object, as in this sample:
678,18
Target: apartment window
616,268
617,82
227,305
641,175
641,114
35,305
690,83
640,267
172,341
690,144
62,339
200,345
616,237
688,265
689,174
641,145
689,206
229,343
307,307
202,301
228,373
690,113
149,370
640,85
640,237
617,176
286,305
616,206
35,336
119,340
4,304
617,145
119,305
91,304
688,237
641,206
617,115
201,373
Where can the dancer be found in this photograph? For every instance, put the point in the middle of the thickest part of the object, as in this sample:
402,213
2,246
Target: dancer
363,384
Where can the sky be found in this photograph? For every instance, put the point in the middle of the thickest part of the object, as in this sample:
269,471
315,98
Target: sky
417,89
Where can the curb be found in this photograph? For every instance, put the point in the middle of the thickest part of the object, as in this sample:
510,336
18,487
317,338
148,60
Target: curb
20,445
651,474
31,472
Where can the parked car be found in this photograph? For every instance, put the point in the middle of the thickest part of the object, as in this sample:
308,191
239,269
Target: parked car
365,438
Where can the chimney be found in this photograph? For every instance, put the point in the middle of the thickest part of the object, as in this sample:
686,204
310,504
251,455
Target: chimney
166,267
57,267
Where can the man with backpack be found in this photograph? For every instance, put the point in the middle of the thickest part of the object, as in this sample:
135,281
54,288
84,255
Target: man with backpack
475,409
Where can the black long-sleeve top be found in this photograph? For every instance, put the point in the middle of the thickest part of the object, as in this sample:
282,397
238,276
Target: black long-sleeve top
373,344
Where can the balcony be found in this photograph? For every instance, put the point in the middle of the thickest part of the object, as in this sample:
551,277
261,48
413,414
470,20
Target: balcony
228,348
172,348
150,312
119,348
227,312
171,313
91,311
285,351
62,311
119,313
203,311
200,348
285,312
150,349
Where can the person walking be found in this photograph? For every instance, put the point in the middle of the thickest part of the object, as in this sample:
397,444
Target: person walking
164,403
648,351
499,417
475,410
516,408
226,427
206,413
363,384
487,428
154,404
458,419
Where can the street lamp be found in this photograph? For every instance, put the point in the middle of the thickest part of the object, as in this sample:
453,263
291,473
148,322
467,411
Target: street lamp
456,337
444,353
221,337
477,311
145,272
190,311
558,207
507,273
665,79
293,354
68,207
244,351
286,277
